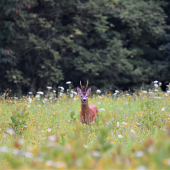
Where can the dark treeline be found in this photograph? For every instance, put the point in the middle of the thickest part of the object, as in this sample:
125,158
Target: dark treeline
115,44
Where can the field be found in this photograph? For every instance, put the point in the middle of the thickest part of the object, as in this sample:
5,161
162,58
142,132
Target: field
132,132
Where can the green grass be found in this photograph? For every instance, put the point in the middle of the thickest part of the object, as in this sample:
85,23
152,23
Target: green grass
141,123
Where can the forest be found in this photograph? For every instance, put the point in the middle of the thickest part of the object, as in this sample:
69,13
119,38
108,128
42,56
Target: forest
115,44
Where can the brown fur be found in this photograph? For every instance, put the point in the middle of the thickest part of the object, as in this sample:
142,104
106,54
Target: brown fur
88,113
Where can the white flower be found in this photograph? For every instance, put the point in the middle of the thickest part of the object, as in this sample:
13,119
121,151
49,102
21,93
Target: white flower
85,146
68,82
139,154
52,138
10,131
156,85
15,97
54,91
30,100
163,109
168,91
157,98
75,93
100,97
60,87
96,153
126,103
30,92
151,92
28,154
120,136
138,124
45,100
132,131
144,91
142,167
117,124
49,162
48,130
116,91
4,149
124,123
71,95
98,91
49,87
61,94
40,92
114,94
166,94
155,82
74,99
127,94
102,110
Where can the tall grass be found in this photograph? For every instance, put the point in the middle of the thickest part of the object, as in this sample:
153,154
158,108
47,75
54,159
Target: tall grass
130,129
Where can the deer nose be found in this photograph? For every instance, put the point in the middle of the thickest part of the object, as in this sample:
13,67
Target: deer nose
84,100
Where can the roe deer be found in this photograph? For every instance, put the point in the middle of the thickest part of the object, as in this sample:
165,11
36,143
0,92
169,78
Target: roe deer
88,113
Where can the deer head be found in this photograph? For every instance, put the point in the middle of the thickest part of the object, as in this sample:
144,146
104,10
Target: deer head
84,94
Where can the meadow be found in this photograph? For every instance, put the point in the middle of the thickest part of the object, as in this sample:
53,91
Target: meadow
131,132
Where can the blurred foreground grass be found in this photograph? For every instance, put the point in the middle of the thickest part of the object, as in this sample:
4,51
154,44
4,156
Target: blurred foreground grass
132,132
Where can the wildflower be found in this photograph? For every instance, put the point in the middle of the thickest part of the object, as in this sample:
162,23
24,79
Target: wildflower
117,124
116,91
85,146
166,94
98,91
44,100
100,97
139,154
68,82
49,163
40,92
124,123
138,124
96,153
30,92
52,138
49,87
156,85
132,131
142,167
4,149
15,97
30,100
168,91
10,131
102,110
127,94
144,91
163,109
151,92
71,95
74,99
28,154
60,87
54,91
120,136
114,94
48,130
61,94
75,93
126,103
155,82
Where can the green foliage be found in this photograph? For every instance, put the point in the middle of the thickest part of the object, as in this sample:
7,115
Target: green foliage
19,119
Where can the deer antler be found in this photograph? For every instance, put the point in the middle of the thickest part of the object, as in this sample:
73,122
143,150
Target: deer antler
86,85
81,86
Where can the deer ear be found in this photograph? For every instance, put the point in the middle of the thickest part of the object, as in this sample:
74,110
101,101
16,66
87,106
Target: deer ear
79,90
89,90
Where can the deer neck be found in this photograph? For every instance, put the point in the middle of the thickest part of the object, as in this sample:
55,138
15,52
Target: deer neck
84,108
